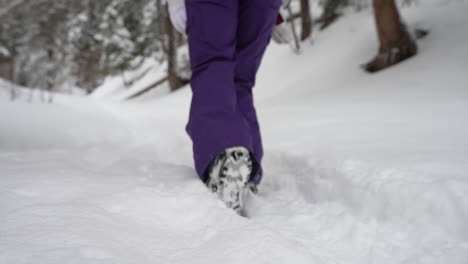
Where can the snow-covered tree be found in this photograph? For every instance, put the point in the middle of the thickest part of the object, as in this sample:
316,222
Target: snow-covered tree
44,43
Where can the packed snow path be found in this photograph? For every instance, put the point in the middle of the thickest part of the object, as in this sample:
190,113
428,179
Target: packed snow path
359,169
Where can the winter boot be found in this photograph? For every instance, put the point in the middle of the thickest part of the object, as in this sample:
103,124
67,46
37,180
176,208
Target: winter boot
228,176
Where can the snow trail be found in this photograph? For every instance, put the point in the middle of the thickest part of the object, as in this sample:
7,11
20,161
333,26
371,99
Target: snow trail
115,202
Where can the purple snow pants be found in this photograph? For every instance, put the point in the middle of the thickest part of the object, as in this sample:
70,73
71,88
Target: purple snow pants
227,40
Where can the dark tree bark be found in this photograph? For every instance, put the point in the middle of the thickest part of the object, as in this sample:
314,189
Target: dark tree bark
8,66
169,44
11,73
396,44
172,77
306,20
11,77
88,77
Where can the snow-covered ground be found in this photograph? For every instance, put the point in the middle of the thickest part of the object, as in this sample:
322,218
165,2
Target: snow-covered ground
359,168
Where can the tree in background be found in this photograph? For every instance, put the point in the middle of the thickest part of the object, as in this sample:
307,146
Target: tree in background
306,19
396,44
331,11
35,36
14,35
170,45
47,43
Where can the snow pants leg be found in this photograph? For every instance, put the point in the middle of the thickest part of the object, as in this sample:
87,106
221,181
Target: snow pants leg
227,40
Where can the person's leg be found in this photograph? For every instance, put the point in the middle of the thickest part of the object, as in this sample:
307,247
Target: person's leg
256,21
215,122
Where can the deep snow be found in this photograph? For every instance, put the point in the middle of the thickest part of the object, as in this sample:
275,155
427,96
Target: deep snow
359,168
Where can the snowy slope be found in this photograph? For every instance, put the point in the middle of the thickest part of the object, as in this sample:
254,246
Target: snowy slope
115,88
359,168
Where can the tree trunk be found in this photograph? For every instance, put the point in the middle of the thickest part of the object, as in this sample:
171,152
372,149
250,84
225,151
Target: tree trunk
306,20
11,77
89,69
297,45
12,68
396,43
173,79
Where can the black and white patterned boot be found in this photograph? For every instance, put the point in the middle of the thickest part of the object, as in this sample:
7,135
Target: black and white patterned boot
228,176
